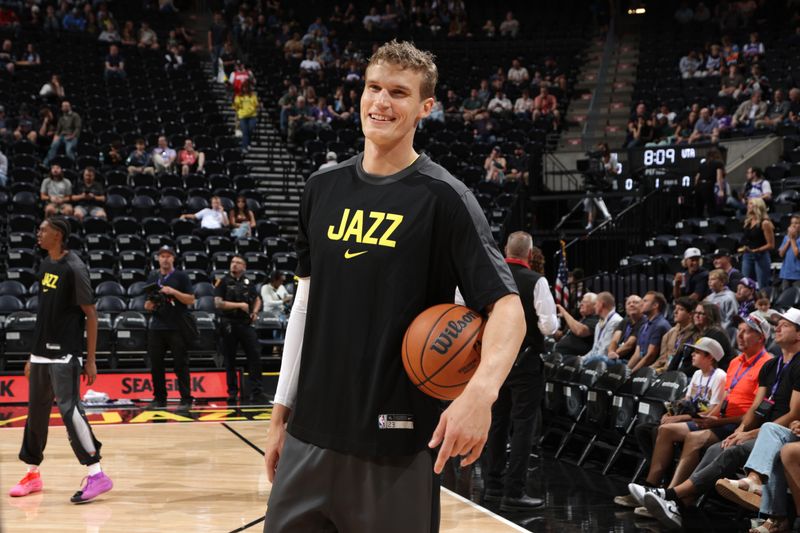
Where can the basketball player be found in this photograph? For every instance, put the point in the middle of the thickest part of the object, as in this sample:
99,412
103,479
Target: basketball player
66,301
385,235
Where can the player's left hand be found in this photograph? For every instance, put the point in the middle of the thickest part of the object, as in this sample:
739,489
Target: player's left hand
89,371
462,430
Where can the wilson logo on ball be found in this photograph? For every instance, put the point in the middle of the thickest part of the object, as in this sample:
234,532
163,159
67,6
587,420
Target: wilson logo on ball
454,328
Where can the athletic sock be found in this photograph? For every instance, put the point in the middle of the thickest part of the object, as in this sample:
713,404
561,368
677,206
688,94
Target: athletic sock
33,468
95,469
671,495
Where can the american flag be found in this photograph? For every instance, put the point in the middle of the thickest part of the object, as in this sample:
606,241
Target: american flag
561,286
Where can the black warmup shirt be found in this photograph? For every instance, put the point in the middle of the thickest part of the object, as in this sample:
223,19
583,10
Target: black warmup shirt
63,287
790,382
379,251
168,315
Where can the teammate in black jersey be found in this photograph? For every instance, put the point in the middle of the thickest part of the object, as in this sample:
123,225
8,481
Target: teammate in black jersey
66,302
386,234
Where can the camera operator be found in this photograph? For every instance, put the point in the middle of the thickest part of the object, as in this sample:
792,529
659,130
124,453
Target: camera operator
169,302
237,301
603,165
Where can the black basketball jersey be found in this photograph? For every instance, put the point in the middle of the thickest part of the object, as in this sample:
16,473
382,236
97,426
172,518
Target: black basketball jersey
380,250
63,287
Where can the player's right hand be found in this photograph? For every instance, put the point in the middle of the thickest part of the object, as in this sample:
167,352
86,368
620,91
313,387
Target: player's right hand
272,453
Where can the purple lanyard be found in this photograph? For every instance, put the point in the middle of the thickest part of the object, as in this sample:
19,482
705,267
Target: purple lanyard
165,278
782,365
706,388
738,377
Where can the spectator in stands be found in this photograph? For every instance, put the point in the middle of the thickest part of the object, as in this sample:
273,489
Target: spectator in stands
794,105
682,332
56,191
777,111
709,184
286,101
523,107
500,106
758,240
189,159
753,51
714,61
685,128
241,74
706,323
29,58
732,82
163,156
213,220
641,132
140,161
693,281
605,308
715,425
724,120
755,187
790,252
517,74
552,74
510,26
746,296
578,336
648,342
247,106
3,169
109,33
623,342
25,125
722,260
51,22
721,295
706,128
73,21
489,29
310,64
330,161
114,65
338,108
749,112
299,117
53,90
68,131
7,58
518,165
495,166
276,300
128,34
757,81
545,106
89,196
473,107
147,37
780,388
242,218
689,65
217,35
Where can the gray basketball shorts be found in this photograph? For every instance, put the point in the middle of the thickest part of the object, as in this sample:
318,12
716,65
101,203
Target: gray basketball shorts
319,490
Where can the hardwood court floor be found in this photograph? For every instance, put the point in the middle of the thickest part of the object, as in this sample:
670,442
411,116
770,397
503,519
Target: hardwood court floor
176,477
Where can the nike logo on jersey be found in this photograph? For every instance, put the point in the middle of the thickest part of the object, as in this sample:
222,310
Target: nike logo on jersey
374,228
349,255
49,281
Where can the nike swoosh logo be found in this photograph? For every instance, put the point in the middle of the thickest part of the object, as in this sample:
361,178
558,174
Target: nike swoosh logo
348,255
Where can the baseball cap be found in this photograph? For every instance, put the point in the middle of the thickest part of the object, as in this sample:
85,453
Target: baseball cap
710,346
755,321
167,249
331,156
721,252
692,252
792,315
749,283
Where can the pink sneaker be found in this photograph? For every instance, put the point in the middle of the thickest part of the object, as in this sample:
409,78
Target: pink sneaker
32,482
94,487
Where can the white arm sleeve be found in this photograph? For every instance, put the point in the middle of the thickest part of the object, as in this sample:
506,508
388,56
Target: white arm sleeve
458,299
286,392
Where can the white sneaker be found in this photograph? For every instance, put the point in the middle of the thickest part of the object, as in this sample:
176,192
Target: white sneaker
638,492
665,511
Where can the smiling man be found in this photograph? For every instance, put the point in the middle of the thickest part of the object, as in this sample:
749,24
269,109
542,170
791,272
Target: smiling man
386,235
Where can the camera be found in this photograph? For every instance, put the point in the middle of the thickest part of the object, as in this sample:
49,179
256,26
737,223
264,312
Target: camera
154,295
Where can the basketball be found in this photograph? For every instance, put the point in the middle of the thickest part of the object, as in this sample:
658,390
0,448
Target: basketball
442,349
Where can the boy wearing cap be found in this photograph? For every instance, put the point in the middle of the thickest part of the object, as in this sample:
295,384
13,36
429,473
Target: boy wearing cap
66,309
722,296
692,282
790,252
746,296
777,400
722,260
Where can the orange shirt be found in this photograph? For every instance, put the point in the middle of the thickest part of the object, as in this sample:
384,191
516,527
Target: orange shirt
741,397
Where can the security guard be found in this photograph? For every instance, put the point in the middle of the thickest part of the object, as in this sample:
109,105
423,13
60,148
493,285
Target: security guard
238,303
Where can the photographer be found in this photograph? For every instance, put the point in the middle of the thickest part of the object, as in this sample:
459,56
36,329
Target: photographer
604,164
237,301
168,300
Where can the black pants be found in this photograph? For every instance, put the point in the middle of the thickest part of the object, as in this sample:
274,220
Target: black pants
515,409
158,342
233,334
59,381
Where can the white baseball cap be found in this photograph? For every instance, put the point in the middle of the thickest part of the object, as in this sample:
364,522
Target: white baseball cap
792,315
710,346
692,252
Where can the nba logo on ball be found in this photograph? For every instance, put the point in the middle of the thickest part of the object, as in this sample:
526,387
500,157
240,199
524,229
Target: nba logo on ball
442,349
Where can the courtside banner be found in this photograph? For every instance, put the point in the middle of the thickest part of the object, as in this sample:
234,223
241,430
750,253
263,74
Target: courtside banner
129,385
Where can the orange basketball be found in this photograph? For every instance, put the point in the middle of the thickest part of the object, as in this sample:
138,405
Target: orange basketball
442,349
